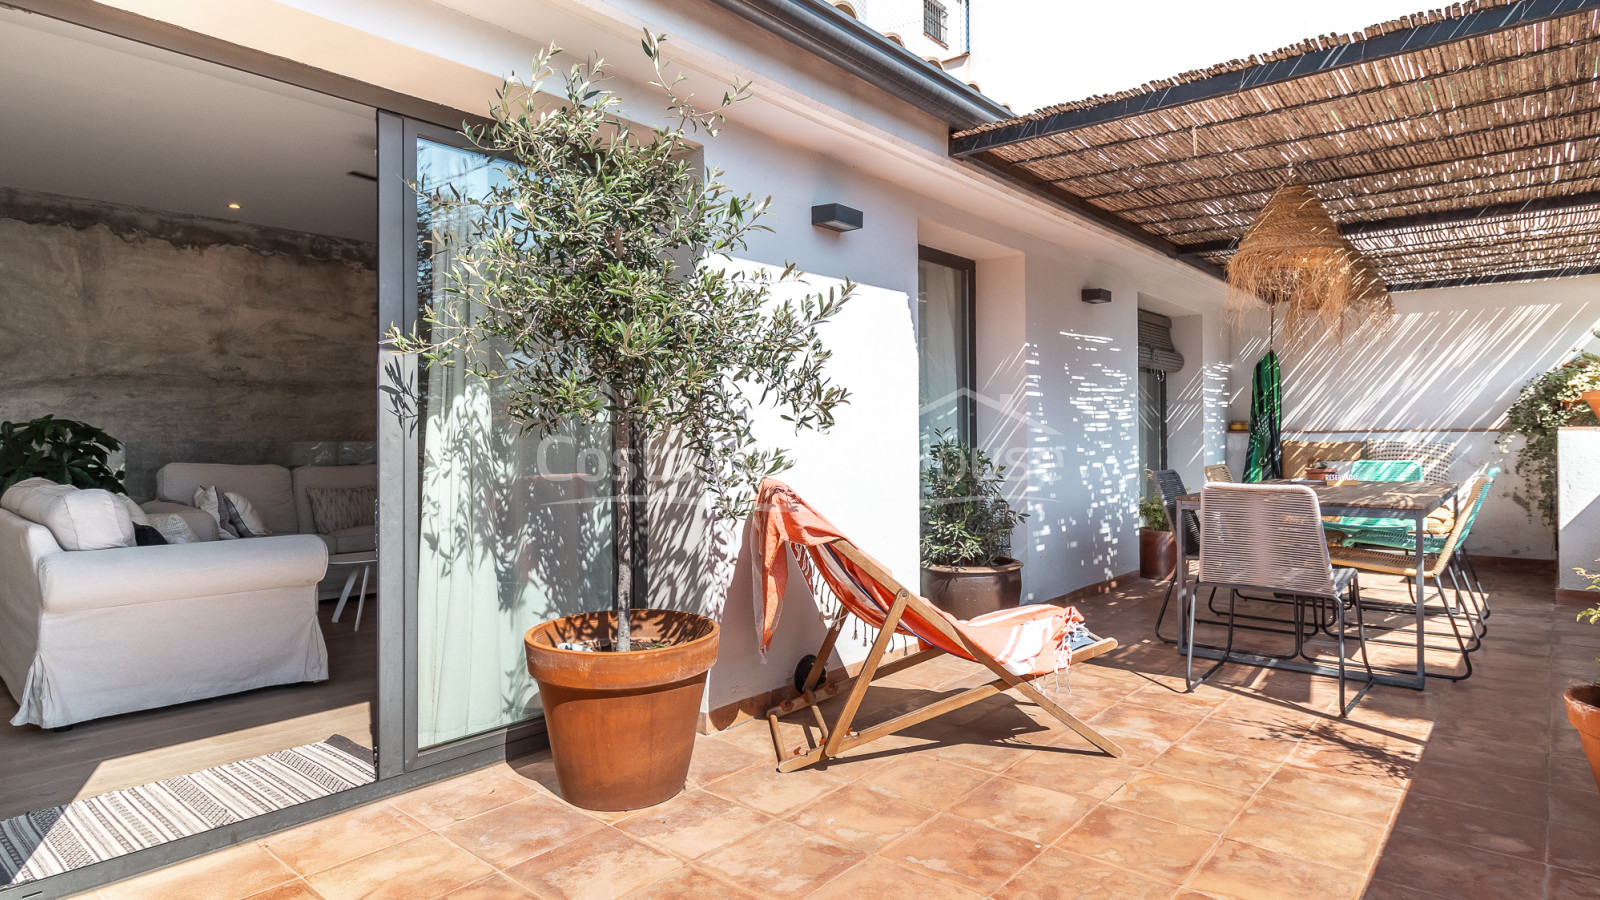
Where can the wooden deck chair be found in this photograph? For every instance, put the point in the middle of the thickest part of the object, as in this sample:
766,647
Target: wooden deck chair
844,567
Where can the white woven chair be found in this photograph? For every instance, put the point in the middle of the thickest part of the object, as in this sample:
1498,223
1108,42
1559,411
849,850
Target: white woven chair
1268,538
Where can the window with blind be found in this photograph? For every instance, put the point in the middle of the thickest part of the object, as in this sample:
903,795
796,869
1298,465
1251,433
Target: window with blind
1158,359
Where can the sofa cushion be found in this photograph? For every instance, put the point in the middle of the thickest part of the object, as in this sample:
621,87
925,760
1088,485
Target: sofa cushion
202,526
134,511
78,519
307,478
268,487
174,528
1299,454
335,509
360,539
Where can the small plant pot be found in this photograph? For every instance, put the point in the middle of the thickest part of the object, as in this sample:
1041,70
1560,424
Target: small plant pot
1583,711
622,725
1158,554
967,592
1319,474
1593,399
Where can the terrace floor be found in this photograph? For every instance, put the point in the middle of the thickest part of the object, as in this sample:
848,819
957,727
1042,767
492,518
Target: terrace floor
1249,788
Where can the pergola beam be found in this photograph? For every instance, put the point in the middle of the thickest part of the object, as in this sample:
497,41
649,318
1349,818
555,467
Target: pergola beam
1403,41
1469,280
1445,218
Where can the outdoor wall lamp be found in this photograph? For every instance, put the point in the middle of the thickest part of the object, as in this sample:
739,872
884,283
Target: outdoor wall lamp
836,217
1096,295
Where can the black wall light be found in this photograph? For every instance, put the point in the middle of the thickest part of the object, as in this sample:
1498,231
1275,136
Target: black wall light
1096,295
836,217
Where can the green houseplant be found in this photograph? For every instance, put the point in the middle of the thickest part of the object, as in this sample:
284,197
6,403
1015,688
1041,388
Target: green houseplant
1547,403
1158,548
1583,701
61,450
594,285
967,569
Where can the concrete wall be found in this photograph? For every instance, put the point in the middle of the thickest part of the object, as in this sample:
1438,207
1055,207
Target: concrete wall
186,338
1447,370
1578,509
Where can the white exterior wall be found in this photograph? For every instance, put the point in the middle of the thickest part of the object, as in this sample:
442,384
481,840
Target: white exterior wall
1446,372
1058,374
1578,509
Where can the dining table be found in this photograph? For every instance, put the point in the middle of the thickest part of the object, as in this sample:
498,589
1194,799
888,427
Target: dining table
1412,500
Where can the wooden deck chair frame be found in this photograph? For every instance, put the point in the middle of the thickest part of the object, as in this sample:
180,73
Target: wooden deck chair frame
839,737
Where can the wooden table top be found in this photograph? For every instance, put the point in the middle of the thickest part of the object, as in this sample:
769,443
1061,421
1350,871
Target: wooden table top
1394,496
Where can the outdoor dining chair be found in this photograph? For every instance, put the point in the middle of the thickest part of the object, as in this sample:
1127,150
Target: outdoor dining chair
1268,537
1220,472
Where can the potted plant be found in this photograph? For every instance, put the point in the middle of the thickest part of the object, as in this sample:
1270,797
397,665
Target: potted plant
1158,547
967,569
1320,470
61,450
1583,701
595,285
1548,403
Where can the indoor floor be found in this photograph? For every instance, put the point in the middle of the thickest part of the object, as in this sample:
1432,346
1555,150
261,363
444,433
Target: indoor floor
1250,787
40,769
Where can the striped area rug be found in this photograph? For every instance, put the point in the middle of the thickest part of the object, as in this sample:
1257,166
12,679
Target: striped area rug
50,841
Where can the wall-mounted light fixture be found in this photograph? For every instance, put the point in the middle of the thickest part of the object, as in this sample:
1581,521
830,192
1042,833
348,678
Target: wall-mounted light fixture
836,217
1096,295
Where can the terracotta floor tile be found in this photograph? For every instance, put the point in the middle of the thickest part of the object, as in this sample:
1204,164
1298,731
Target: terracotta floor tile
517,831
1203,806
1455,870
925,780
425,866
1518,836
454,799
230,874
1023,809
1500,793
690,883
1235,738
1235,773
1127,718
1092,775
782,860
772,792
494,887
718,759
1059,875
1248,872
860,817
879,878
1569,773
976,752
1353,755
967,854
598,866
1152,847
1530,763
1385,890
341,837
693,823
1308,834
294,890
1567,885
1353,798
1572,845
1170,697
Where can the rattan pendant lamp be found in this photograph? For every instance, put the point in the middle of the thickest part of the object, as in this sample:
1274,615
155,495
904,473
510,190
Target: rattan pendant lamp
1294,262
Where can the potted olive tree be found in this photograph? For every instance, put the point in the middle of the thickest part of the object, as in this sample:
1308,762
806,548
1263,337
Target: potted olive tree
595,283
967,569
1583,701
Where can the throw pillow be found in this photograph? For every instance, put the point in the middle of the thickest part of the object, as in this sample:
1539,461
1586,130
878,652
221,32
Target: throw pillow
335,509
135,511
242,513
148,536
174,528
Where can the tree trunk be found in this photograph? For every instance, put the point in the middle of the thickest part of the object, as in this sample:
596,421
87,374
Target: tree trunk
622,503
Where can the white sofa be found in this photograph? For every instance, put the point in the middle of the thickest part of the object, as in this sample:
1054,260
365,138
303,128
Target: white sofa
92,633
280,495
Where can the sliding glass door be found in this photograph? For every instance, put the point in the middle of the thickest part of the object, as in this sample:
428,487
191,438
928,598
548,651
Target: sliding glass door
945,316
503,529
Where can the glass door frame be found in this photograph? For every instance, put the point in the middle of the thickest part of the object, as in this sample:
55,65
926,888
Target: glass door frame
399,469
967,402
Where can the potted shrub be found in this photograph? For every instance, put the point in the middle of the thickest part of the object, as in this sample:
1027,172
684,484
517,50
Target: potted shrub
1158,547
594,284
1583,701
967,569
1548,403
61,450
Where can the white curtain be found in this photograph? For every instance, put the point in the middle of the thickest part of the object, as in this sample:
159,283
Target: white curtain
514,529
941,330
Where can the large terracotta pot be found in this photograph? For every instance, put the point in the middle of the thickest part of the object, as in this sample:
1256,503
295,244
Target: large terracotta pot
1158,554
1593,399
622,725
967,592
1583,711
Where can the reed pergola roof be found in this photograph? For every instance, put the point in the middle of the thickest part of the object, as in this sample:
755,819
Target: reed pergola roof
1458,146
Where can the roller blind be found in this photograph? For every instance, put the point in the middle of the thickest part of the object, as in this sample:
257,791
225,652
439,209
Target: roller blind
1156,350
